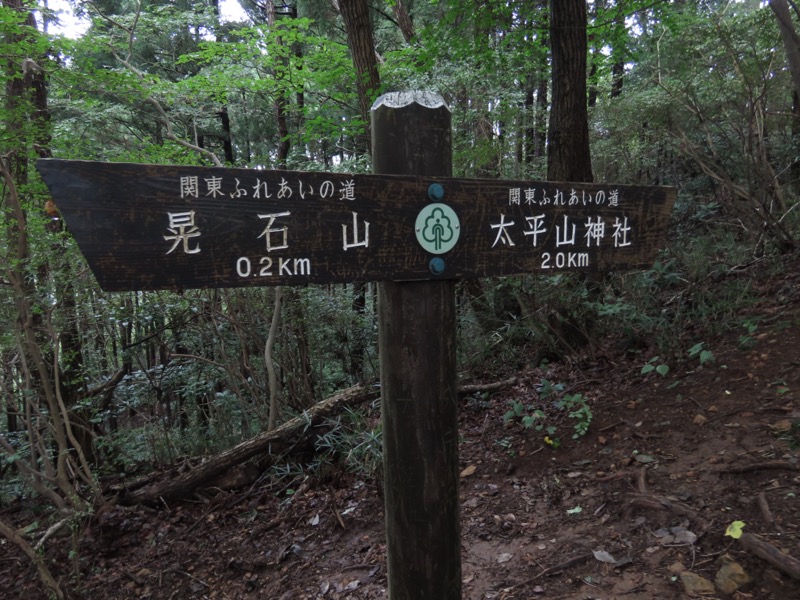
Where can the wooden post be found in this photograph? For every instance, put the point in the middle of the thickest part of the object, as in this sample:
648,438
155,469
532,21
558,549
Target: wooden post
417,343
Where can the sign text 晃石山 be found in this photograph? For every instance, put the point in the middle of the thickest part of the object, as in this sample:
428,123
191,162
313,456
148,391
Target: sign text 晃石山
147,227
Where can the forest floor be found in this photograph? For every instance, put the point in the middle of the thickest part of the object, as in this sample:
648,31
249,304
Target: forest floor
637,509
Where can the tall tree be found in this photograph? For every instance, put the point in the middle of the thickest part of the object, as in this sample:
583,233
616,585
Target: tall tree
568,157
360,40
791,40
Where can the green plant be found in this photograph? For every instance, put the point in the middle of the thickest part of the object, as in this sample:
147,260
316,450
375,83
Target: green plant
527,415
697,351
580,411
353,443
747,340
540,418
655,364
507,444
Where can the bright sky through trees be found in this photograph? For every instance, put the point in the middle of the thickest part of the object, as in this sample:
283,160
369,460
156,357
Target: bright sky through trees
69,24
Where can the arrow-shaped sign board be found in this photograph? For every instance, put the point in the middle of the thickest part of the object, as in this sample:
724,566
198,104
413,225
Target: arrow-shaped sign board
147,227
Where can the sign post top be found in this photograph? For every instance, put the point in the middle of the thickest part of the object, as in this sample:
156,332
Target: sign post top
401,99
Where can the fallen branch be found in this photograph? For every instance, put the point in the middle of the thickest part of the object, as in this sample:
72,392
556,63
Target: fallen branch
641,480
486,387
766,551
763,466
660,503
554,570
763,505
35,557
272,443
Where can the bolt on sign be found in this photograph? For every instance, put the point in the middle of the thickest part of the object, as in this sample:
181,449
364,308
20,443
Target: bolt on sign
147,227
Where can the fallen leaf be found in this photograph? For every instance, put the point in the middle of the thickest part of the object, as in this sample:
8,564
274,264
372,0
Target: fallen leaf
685,537
699,420
644,458
604,556
734,530
575,511
782,426
504,557
314,521
468,471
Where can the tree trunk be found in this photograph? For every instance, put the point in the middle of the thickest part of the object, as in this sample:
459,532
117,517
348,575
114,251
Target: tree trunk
791,41
281,101
568,157
355,14
404,21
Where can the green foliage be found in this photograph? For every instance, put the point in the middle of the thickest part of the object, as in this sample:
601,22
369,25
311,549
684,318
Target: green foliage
546,414
353,443
577,409
702,354
747,340
654,364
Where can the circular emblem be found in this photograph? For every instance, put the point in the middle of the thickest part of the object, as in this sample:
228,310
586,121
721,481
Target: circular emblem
437,228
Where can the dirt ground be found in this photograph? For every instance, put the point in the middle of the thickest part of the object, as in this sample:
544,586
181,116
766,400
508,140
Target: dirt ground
636,510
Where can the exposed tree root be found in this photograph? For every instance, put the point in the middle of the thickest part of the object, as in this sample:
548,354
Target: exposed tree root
766,551
654,502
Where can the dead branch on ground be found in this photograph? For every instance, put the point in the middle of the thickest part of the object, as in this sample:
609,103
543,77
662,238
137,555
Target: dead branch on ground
766,551
272,443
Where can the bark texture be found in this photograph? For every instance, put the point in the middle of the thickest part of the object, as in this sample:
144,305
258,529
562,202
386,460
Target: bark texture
568,157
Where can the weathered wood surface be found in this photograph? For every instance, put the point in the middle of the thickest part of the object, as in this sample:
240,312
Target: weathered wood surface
417,346
173,227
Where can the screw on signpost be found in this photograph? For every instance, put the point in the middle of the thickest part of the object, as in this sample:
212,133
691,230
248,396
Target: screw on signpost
411,136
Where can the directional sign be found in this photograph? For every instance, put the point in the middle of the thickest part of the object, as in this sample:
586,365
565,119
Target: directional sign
146,227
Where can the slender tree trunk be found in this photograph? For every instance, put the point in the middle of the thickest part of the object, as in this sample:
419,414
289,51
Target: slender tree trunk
404,20
617,73
227,136
281,102
274,398
540,123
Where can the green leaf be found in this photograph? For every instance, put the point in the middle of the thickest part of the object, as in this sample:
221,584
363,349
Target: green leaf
662,370
734,530
696,349
706,356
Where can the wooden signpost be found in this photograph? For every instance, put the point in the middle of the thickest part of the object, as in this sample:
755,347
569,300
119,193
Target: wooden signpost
148,227
411,227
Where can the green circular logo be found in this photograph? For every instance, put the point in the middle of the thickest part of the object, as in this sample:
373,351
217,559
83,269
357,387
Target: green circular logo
437,228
